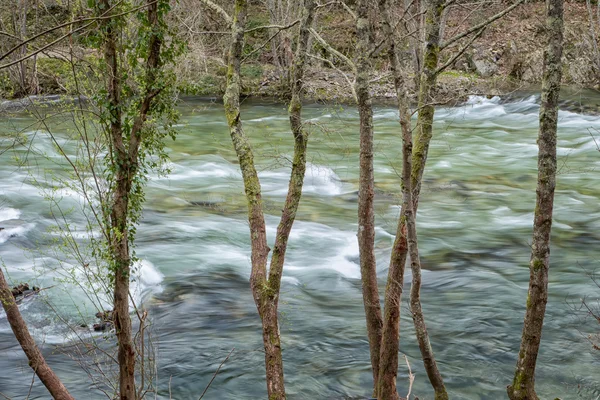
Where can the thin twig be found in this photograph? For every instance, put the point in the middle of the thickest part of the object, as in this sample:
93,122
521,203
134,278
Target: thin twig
411,378
460,52
281,28
481,25
215,374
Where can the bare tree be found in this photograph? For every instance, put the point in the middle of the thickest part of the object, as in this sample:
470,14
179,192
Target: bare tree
523,385
265,284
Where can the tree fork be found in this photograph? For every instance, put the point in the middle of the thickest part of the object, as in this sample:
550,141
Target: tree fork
265,289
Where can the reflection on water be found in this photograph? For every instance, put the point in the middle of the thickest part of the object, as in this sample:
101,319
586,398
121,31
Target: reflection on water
475,220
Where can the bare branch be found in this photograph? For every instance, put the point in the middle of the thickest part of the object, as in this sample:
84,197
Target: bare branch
332,65
214,375
262,46
343,4
478,27
94,19
333,51
103,16
461,51
279,27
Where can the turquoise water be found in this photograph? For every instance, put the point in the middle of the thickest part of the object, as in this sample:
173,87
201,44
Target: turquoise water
475,219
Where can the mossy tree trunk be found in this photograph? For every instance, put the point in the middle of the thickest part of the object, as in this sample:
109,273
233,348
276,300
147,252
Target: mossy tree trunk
523,385
366,190
36,360
266,289
424,131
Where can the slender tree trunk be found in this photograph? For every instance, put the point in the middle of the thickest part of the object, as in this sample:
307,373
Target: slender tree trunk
23,8
424,133
119,217
388,361
34,355
126,160
523,386
266,290
366,190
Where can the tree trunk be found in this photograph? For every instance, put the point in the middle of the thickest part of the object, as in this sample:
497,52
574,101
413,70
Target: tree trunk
23,8
34,355
424,133
119,217
366,191
388,361
266,290
126,165
523,386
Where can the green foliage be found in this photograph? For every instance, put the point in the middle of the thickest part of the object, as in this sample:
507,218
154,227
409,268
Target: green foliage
203,86
251,71
137,81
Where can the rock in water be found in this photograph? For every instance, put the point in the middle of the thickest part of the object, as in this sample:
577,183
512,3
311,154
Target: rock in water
106,321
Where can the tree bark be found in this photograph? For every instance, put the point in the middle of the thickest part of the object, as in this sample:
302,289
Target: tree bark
34,355
420,150
388,360
366,191
523,385
266,290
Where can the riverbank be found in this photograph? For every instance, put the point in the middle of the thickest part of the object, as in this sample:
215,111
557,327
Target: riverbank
500,62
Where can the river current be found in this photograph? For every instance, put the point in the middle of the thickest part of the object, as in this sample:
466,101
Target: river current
474,225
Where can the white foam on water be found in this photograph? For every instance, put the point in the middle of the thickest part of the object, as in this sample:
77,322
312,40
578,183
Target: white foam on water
504,217
339,248
321,180
318,179
443,164
8,233
264,119
9,213
291,280
147,281
315,119
392,115
203,170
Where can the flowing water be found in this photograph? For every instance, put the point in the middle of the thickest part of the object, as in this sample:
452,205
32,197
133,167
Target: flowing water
474,221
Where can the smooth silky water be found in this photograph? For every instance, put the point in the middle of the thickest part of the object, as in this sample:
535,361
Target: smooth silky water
474,225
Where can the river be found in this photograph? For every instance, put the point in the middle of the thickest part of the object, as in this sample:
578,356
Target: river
474,225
